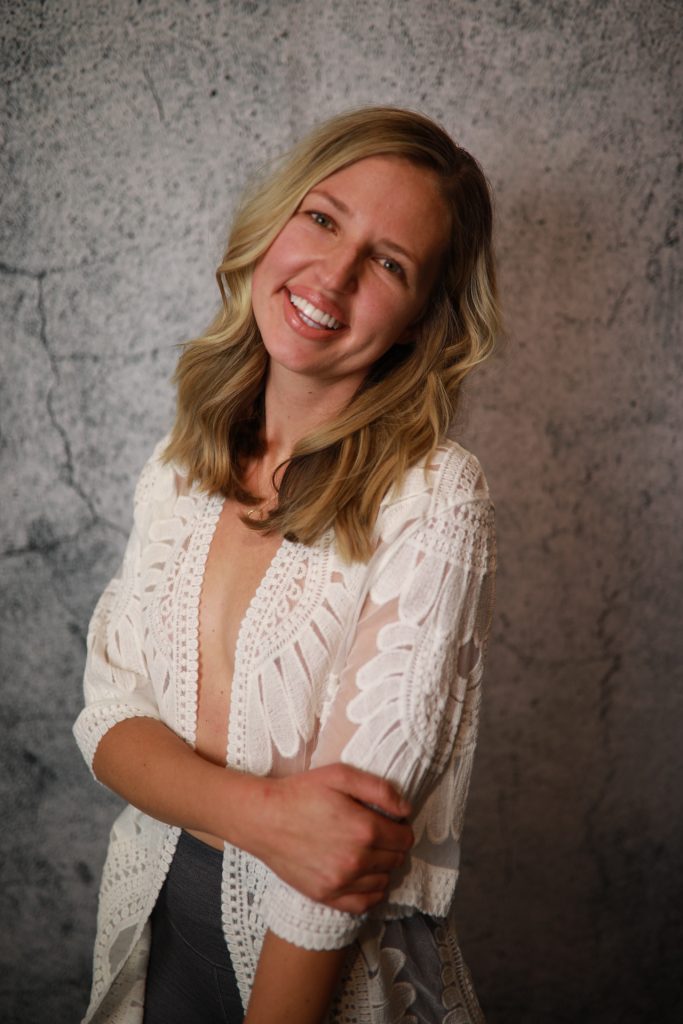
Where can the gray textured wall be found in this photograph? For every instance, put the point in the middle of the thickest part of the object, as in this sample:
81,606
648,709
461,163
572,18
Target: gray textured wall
127,132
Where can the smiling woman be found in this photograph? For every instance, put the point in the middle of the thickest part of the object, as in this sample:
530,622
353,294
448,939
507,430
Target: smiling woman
284,679
337,260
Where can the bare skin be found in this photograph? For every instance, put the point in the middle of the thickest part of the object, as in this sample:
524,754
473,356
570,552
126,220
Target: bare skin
238,559
293,984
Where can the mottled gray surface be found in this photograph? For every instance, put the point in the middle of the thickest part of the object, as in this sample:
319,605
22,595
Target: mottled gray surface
127,132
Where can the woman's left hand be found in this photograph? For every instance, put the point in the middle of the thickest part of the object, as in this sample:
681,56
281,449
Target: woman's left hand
316,831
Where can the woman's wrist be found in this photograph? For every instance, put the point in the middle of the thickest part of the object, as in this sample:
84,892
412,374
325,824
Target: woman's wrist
242,810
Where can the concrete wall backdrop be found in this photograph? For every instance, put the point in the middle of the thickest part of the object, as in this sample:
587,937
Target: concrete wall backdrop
128,130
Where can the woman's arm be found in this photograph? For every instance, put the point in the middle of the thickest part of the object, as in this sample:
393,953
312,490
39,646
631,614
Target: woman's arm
406,708
311,829
293,984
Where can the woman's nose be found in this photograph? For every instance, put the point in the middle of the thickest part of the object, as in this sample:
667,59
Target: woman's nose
340,268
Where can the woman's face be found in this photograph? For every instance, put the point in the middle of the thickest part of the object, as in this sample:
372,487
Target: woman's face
350,272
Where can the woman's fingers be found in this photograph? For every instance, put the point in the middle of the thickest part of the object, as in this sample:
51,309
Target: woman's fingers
377,862
324,841
367,884
358,903
375,831
368,789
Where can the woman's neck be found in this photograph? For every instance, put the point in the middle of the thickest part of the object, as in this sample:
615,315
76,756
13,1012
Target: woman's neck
294,407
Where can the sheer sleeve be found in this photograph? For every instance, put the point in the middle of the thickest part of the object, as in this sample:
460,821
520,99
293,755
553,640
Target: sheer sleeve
406,706
117,682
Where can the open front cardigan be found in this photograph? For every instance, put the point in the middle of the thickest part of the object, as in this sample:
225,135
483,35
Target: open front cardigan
374,664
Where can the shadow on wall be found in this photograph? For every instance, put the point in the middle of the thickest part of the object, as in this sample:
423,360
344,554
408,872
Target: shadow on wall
570,900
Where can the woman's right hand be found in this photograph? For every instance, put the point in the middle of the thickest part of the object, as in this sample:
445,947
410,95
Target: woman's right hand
312,829
315,832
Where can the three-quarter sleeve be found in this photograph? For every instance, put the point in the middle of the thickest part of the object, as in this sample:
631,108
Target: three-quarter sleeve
406,706
117,682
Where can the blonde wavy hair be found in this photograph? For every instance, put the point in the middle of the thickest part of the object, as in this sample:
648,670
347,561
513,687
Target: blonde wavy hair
338,475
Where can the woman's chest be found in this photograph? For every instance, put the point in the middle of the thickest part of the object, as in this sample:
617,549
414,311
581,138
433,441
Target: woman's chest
263,626
237,561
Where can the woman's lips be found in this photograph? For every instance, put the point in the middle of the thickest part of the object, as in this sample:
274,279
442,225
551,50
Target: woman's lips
312,315
320,301
303,314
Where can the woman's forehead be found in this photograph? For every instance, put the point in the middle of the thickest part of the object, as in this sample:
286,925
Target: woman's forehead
391,166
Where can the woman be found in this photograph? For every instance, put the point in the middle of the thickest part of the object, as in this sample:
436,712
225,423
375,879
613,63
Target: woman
308,583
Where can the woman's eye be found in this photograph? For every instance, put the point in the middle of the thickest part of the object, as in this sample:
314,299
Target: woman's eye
391,265
320,218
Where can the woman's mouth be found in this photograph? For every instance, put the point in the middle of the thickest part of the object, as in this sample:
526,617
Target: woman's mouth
312,316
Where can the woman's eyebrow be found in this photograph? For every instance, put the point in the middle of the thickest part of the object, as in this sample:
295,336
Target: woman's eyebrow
343,208
388,244
330,198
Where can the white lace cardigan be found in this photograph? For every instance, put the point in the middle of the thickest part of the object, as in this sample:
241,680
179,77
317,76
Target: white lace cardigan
377,665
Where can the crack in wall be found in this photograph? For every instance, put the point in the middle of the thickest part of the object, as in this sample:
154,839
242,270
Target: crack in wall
594,846
15,271
68,473
42,541
601,788
614,661
87,263
157,99
6,268
126,358
617,305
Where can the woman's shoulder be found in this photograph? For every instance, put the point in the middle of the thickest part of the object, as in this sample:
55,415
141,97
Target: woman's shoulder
449,477
160,483
442,505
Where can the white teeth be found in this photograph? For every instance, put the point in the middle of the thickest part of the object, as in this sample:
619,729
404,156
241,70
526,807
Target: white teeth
313,316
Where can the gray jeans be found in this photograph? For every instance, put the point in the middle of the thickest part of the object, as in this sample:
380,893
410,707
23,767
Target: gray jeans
190,976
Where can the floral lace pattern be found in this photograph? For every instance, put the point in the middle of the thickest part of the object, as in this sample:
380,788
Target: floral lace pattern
378,665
